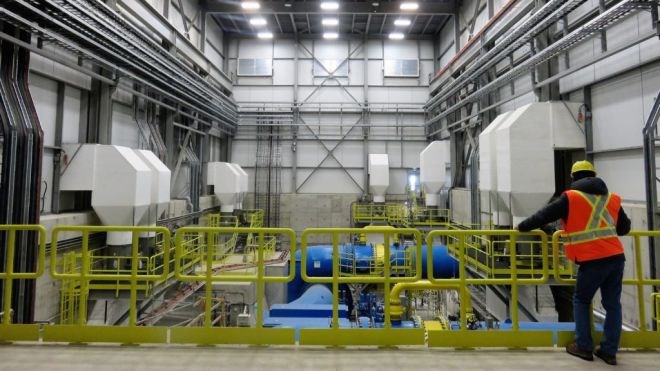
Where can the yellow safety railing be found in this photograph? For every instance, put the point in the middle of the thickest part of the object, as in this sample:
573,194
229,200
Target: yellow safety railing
12,233
70,289
392,213
489,255
633,339
255,217
192,261
465,240
360,336
210,276
88,276
430,217
655,299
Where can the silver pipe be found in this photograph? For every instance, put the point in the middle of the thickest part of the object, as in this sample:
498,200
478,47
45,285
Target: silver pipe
516,38
597,24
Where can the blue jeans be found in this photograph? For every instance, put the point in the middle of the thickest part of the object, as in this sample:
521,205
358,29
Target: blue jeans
607,275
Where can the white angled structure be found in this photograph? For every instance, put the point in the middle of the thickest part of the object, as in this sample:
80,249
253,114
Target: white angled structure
525,142
433,161
379,176
226,182
501,215
160,186
119,180
244,185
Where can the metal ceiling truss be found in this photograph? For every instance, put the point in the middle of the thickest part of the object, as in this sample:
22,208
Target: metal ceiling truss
355,18
96,34
447,7
554,11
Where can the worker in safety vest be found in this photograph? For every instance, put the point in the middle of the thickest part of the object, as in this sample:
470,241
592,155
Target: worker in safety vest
592,218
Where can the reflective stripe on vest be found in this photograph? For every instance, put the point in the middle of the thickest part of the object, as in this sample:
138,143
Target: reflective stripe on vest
599,213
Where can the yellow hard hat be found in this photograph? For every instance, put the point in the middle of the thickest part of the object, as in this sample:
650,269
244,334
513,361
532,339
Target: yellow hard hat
583,165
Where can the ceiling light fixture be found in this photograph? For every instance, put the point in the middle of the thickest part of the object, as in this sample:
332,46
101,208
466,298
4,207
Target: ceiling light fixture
403,22
409,6
330,21
330,35
396,36
250,5
258,21
265,35
329,5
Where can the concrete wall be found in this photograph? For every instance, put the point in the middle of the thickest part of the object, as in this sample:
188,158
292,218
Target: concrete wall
300,211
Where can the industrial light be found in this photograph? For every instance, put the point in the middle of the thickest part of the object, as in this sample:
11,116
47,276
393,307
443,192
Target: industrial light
330,21
403,22
329,5
409,6
250,5
396,36
330,35
412,182
258,21
265,35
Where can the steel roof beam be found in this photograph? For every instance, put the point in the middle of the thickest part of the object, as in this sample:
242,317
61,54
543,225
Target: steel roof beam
314,7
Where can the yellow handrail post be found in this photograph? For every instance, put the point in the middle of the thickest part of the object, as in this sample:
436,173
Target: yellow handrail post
639,282
386,280
9,272
260,280
210,253
461,277
514,283
84,282
335,281
132,311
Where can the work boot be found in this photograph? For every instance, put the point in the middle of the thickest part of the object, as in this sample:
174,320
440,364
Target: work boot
607,358
574,350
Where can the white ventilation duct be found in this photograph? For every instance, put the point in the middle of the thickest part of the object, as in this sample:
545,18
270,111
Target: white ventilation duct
119,180
160,186
525,144
433,162
379,176
244,185
226,182
488,172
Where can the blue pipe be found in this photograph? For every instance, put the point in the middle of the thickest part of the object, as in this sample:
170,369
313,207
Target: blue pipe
319,259
319,262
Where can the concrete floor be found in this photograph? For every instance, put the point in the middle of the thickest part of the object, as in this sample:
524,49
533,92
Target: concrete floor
189,358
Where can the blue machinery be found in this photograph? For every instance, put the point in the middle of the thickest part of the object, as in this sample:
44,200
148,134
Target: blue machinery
310,305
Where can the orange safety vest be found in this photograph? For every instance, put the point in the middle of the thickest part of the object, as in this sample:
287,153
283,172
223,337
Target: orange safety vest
591,226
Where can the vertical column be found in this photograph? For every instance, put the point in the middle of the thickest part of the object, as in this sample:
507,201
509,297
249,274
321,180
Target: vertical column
104,122
167,118
59,124
457,33
366,121
296,116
